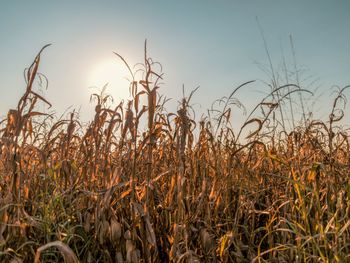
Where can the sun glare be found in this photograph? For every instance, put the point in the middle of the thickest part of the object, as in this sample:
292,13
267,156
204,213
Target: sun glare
113,73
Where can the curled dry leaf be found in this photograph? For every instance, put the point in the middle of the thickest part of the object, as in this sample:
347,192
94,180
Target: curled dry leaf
206,240
16,260
129,247
119,257
115,230
67,253
151,237
104,231
127,235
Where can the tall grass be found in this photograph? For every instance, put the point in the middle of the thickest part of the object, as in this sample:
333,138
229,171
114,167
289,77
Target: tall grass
108,192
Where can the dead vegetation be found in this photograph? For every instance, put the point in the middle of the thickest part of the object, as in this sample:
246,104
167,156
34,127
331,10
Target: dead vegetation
108,192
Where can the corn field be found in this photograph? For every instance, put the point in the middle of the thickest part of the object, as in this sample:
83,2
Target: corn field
178,191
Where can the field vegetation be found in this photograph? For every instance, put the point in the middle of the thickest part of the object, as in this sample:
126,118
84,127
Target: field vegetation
179,191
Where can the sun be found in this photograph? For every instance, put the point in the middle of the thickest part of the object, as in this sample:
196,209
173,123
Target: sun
114,73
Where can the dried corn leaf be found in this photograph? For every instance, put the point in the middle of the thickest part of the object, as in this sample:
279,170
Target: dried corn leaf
67,253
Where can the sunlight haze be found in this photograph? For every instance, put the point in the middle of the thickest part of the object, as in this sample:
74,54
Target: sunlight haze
214,45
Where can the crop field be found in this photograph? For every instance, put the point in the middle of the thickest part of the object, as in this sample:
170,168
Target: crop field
179,190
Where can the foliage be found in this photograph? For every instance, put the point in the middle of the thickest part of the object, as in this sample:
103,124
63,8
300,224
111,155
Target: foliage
108,192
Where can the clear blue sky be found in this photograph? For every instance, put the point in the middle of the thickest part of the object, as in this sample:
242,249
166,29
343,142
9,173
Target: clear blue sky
214,44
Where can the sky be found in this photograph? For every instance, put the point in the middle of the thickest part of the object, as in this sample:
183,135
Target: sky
216,45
